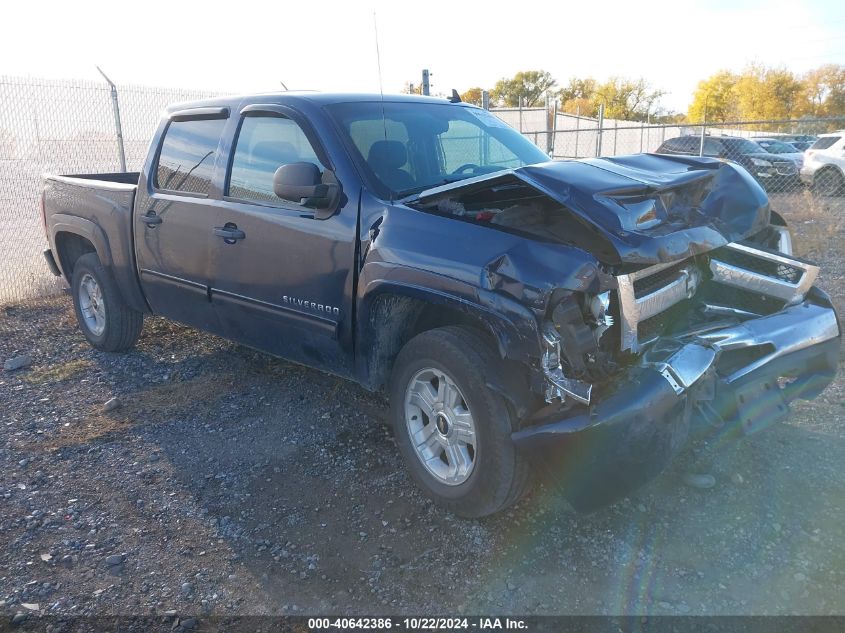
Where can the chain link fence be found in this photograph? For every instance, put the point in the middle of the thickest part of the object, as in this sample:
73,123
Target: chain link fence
779,154
51,126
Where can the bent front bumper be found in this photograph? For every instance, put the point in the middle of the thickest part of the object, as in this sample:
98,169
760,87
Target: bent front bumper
739,378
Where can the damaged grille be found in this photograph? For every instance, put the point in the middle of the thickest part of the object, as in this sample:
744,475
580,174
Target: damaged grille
746,281
778,270
647,293
646,285
762,271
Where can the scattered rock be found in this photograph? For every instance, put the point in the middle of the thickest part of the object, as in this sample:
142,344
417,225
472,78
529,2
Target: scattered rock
112,404
187,588
702,481
19,618
18,362
737,479
115,559
32,606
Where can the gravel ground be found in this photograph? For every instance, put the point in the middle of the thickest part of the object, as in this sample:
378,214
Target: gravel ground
223,481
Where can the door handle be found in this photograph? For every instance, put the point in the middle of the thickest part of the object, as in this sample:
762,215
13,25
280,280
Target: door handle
151,219
229,232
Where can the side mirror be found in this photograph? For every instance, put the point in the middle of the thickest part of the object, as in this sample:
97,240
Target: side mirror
303,183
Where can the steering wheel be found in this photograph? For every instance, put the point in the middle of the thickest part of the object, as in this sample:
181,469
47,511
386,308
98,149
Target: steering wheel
465,167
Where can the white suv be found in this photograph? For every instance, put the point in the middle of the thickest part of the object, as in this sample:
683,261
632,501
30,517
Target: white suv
824,164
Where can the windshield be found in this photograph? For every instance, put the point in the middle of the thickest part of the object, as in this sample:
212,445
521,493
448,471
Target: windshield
776,147
744,146
414,146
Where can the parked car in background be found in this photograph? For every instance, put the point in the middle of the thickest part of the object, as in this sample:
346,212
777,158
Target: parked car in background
802,142
784,150
773,172
824,164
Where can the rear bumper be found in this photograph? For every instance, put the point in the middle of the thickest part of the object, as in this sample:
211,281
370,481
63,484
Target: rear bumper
631,435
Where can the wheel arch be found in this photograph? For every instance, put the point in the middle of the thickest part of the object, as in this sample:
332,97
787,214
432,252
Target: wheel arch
73,237
392,314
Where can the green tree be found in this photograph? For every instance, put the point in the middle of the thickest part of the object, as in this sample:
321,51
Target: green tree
767,93
823,91
627,99
577,97
473,96
715,99
528,85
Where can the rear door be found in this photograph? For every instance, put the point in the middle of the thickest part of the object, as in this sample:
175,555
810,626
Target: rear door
174,217
283,283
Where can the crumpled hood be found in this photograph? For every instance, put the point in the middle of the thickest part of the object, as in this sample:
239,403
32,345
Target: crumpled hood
644,208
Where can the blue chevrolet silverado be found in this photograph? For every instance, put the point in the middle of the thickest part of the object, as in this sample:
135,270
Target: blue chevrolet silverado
588,318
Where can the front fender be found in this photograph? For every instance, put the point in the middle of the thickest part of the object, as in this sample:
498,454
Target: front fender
513,326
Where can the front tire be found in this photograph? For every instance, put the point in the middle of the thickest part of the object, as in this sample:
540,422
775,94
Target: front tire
452,429
106,321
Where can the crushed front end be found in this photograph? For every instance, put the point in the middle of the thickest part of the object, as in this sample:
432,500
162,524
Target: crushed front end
721,341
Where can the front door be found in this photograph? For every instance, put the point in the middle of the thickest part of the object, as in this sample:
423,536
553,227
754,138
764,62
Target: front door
174,217
282,281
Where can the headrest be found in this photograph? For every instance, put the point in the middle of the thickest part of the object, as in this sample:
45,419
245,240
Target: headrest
387,155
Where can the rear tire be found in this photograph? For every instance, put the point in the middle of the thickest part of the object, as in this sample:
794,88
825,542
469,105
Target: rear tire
828,182
103,316
452,429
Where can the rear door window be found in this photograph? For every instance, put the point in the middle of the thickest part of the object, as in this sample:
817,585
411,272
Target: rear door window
672,145
264,144
712,147
186,158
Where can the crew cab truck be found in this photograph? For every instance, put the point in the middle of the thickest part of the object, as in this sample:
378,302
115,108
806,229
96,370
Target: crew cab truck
587,316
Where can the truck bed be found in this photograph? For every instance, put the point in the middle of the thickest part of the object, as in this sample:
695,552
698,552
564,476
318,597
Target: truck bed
98,208
122,177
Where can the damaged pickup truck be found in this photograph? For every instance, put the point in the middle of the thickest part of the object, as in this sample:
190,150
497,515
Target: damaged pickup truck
589,316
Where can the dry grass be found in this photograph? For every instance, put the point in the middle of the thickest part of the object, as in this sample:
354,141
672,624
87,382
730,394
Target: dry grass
198,397
817,223
57,373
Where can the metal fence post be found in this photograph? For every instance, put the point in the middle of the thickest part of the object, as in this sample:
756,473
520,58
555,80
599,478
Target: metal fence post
616,134
552,136
577,128
600,130
117,126
485,99
520,114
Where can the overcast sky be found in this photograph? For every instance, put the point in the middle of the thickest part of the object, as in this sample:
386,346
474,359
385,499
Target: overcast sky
328,45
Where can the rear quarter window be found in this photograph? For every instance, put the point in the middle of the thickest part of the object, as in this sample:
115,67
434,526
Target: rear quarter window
825,142
186,159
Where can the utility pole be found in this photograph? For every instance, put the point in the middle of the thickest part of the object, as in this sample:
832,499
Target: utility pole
426,85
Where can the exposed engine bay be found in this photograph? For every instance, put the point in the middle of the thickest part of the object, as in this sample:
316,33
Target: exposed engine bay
643,312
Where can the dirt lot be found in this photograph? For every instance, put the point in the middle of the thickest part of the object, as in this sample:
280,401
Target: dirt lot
227,482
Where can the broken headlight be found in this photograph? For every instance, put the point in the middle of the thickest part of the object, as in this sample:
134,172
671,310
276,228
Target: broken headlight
599,307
